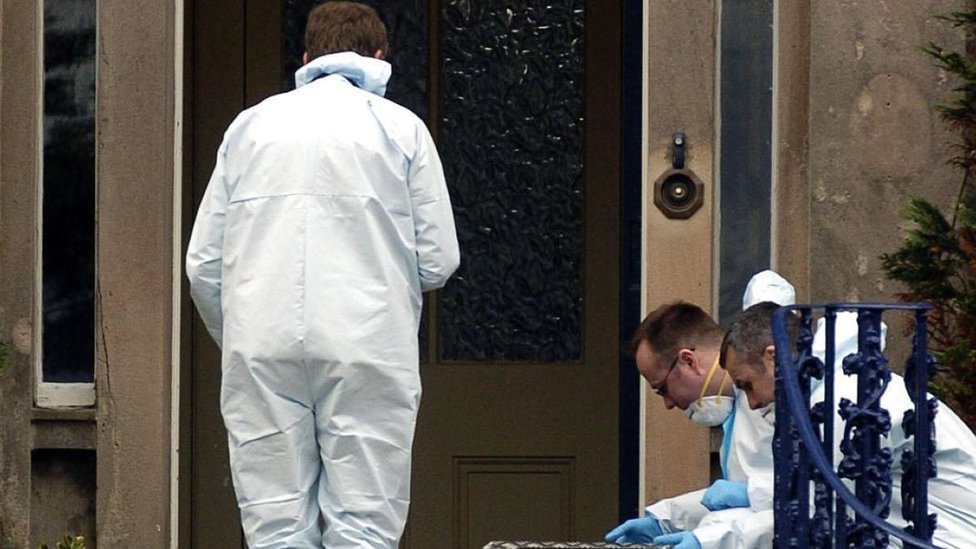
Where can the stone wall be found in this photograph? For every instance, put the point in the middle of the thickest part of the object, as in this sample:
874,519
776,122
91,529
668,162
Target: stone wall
874,138
101,471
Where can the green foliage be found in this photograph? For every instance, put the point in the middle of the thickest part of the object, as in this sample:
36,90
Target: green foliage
69,542
937,264
937,259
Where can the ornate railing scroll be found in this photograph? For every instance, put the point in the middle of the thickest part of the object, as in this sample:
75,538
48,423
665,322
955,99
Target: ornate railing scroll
804,446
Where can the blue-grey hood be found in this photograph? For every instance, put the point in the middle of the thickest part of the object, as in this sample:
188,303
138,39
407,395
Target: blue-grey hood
367,73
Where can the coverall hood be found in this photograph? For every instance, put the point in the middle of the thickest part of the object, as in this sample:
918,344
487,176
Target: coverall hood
768,286
367,73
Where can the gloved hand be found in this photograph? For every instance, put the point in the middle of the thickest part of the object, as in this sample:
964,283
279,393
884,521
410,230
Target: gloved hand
679,540
638,530
724,494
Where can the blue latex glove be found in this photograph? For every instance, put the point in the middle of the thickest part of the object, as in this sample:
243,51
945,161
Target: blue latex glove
638,530
679,540
724,494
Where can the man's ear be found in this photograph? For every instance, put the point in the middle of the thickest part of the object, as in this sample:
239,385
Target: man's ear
769,357
691,358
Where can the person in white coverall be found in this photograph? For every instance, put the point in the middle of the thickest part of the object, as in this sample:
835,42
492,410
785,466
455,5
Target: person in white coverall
326,217
749,357
677,349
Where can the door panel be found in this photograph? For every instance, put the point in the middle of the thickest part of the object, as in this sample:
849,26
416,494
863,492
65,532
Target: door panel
497,498
518,428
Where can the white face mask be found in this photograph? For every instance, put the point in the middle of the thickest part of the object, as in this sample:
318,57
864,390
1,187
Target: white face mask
711,411
768,413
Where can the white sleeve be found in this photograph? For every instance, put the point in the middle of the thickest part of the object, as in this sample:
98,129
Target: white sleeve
760,489
438,255
736,529
205,252
679,513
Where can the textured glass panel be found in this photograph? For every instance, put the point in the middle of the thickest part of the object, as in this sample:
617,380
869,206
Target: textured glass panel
68,226
511,138
406,28
747,83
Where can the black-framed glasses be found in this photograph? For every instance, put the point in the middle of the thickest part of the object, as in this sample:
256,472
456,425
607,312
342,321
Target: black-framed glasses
662,389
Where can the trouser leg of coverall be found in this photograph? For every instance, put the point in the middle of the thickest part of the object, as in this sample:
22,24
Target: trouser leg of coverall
365,421
273,456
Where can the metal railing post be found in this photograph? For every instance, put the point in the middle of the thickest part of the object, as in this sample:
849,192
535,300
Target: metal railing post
803,455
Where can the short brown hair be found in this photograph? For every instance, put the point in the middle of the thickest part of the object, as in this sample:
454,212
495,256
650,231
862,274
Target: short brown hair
675,326
344,26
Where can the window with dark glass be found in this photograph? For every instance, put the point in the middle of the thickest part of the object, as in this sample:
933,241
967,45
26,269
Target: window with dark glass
68,193
746,147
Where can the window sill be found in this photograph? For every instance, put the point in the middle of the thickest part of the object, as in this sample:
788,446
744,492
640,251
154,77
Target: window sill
63,428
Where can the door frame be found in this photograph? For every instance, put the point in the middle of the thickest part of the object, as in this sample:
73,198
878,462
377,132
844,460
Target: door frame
679,95
631,261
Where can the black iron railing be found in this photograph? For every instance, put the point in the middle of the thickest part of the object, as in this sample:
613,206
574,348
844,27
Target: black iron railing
850,478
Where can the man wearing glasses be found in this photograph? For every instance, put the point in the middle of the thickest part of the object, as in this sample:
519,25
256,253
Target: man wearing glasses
677,349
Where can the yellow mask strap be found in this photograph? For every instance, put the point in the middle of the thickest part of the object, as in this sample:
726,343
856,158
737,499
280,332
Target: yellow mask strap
721,387
708,379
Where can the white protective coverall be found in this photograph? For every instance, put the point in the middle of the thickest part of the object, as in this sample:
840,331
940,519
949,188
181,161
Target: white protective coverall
326,217
952,494
745,454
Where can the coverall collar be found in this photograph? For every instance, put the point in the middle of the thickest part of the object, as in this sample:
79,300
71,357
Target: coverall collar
367,73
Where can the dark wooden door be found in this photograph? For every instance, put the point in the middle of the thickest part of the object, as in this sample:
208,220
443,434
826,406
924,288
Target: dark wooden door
518,431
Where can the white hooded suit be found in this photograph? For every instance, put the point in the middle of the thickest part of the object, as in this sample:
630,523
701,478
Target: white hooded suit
326,217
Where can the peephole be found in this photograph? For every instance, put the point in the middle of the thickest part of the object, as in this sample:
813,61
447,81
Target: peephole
678,193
